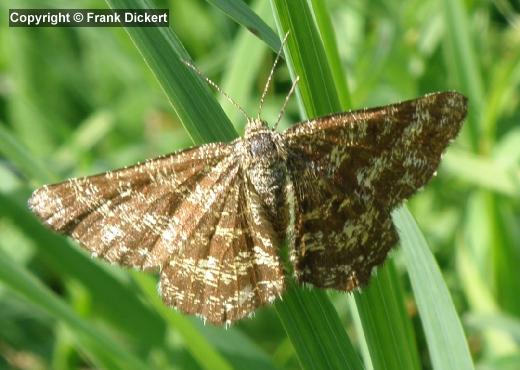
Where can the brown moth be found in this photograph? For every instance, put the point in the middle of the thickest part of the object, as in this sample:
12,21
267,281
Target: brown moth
212,218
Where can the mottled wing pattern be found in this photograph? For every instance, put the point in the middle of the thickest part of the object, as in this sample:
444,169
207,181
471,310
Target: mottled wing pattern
189,214
230,265
131,216
339,238
350,170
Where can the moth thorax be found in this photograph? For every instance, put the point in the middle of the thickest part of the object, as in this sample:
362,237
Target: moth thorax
267,172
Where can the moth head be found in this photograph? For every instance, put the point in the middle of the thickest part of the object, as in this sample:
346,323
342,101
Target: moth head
255,126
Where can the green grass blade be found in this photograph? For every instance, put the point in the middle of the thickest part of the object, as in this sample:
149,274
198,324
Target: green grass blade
237,346
307,315
242,14
328,36
445,337
245,60
197,345
84,138
106,291
107,350
505,80
387,328
306,58
191,98
315,331
379,311
465,63
502,322
483,172
474,260
15,152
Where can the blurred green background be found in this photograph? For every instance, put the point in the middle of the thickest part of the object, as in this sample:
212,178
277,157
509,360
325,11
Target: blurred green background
78,101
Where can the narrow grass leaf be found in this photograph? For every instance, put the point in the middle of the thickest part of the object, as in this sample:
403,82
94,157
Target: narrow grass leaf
196,344
505,323
240,350
507,150
473,257
390,312
506,255
245,59
88,134
386,326
465,62
306,59
15,152
482,172
242,14
324,23
389,337
315,331
504,80
444,334
26,285
106,291
191,98
308,316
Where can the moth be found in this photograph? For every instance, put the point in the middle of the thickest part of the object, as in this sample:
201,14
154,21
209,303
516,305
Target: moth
212,219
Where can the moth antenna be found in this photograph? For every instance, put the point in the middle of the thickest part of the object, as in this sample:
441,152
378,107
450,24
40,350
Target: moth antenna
282,111
216,87
268,82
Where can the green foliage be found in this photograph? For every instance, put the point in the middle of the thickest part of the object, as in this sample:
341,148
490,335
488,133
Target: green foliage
77,101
